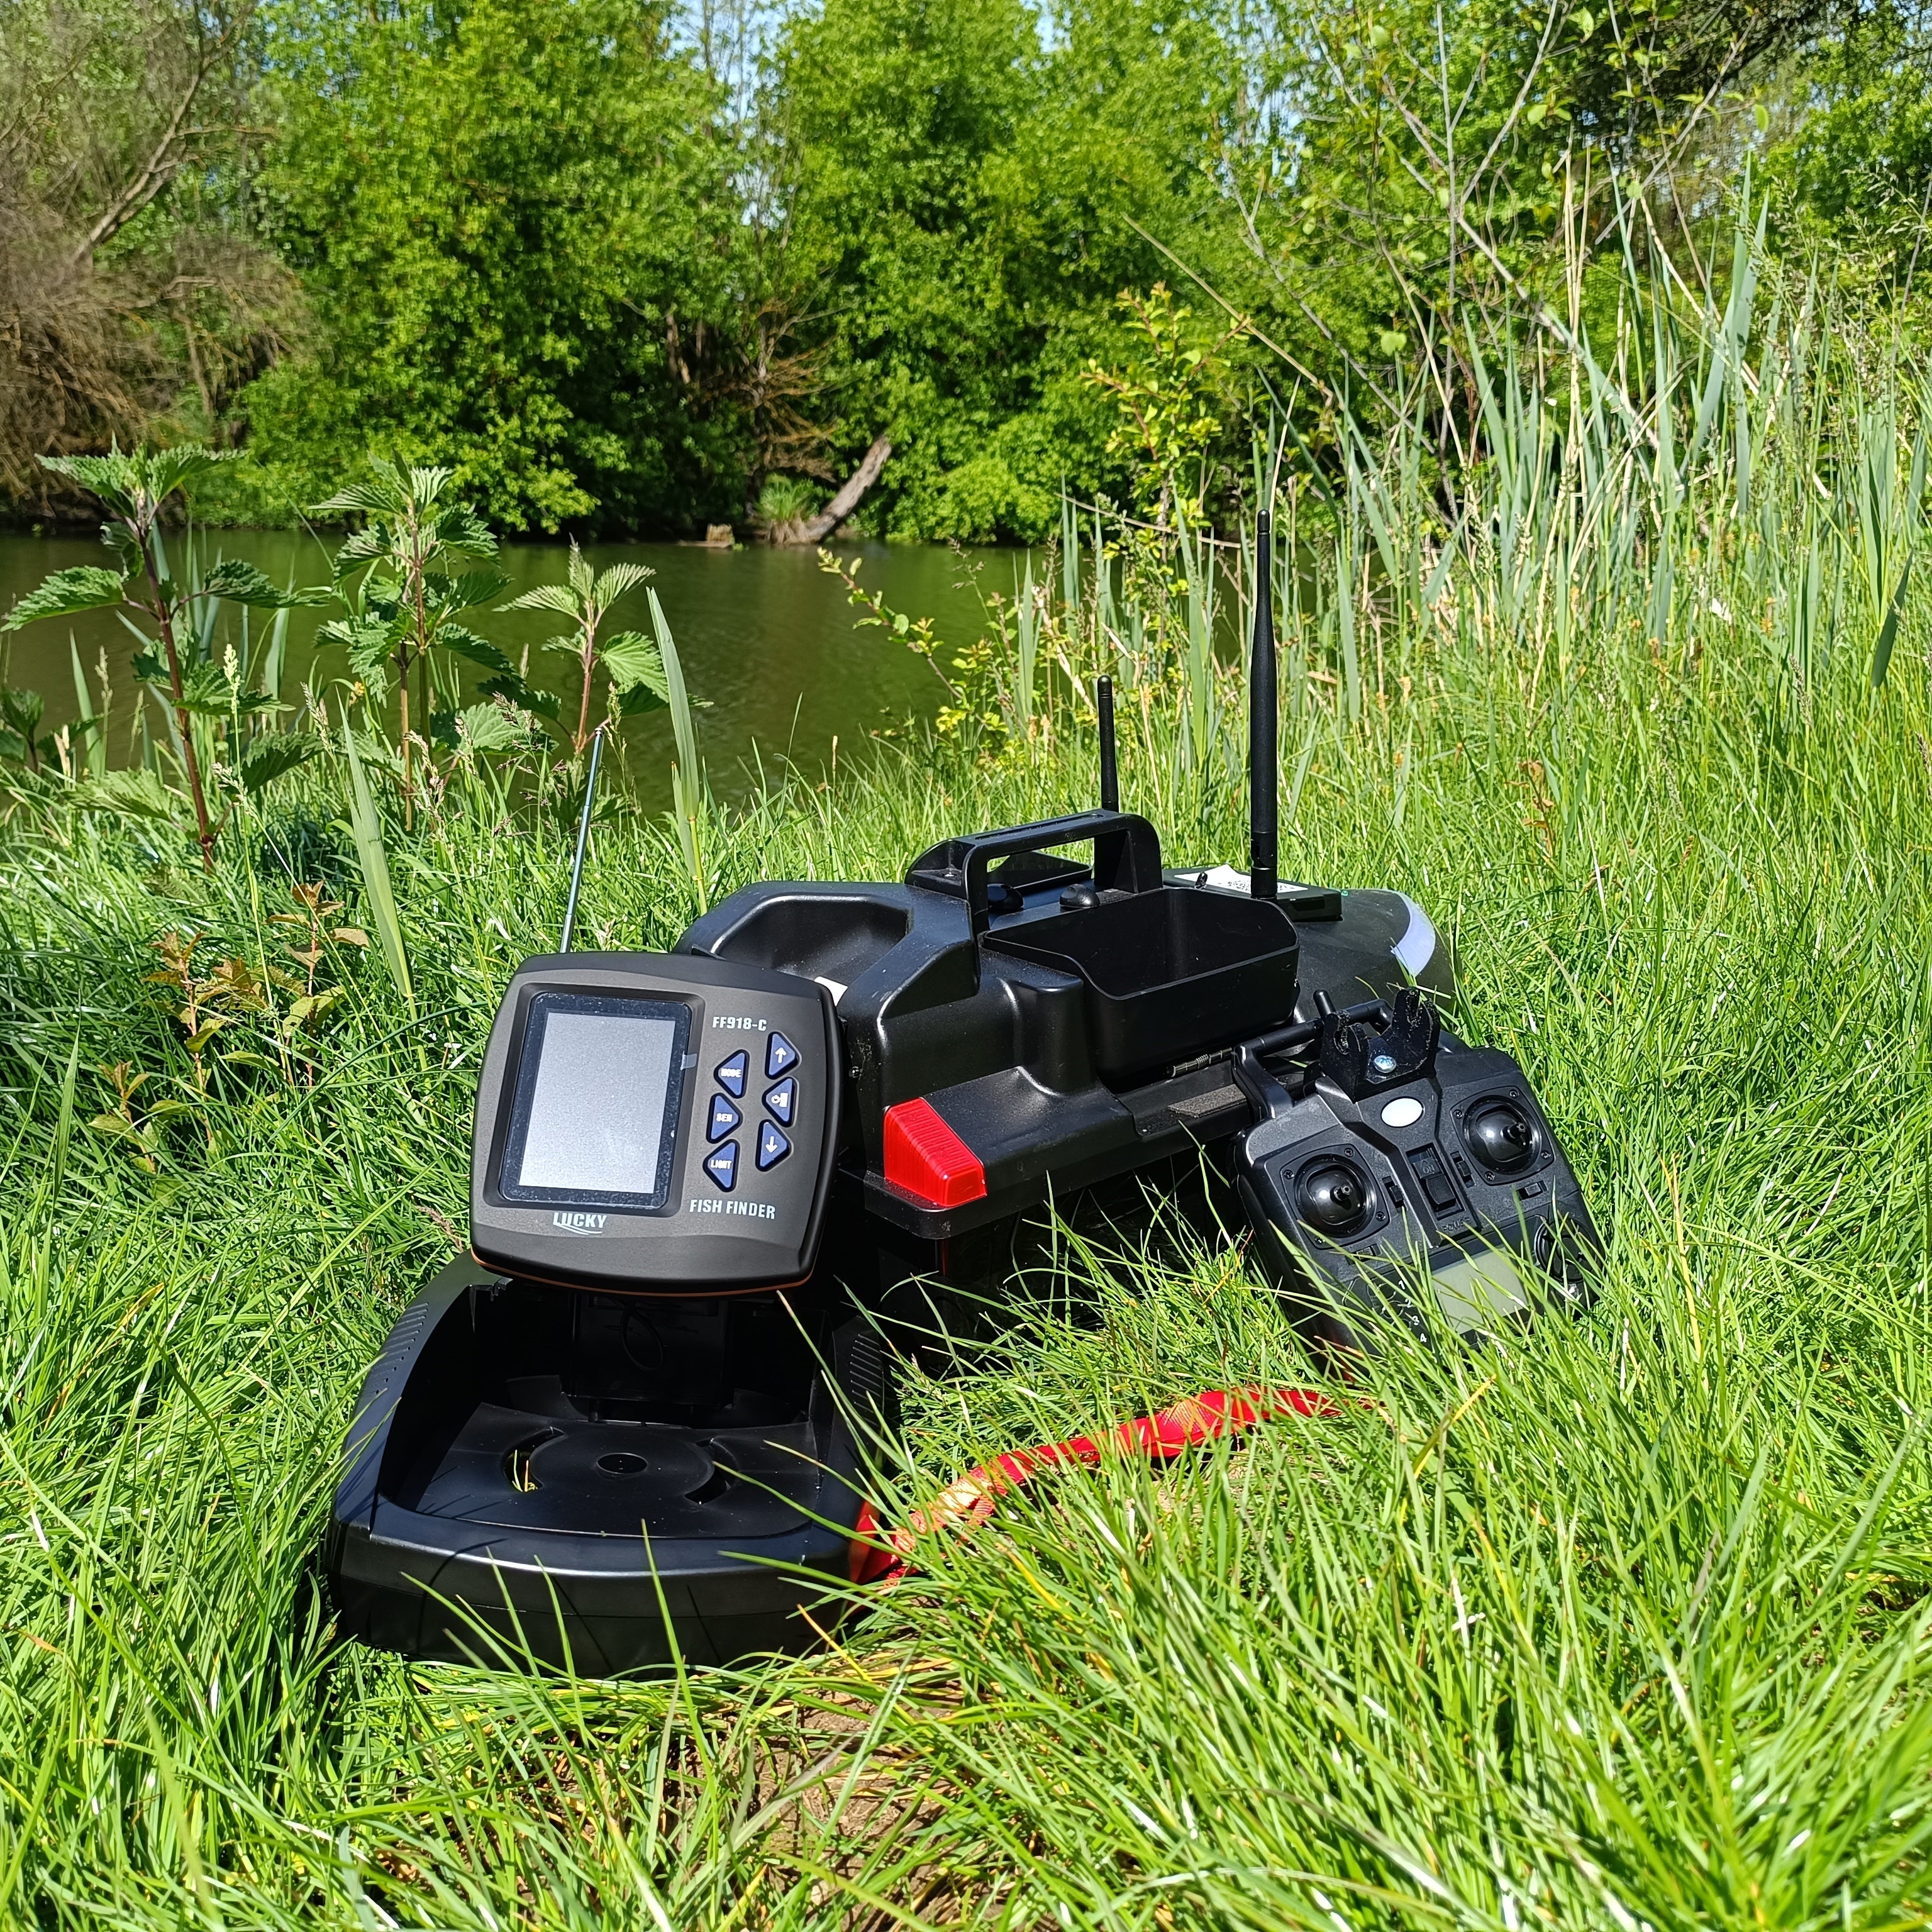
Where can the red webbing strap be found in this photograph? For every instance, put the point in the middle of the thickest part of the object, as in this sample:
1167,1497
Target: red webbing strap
882,1555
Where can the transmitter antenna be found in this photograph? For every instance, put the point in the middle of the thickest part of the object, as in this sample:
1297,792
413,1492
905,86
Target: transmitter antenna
583,839
1110,773
1262,853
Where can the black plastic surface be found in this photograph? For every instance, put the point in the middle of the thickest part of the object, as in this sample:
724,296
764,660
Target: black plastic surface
1001,1045
1170,974
548,1461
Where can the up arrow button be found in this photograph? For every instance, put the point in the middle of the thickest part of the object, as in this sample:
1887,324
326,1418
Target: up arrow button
781,1056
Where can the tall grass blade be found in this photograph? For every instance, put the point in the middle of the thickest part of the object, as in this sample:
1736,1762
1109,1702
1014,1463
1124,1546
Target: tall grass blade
365,828
96,737
689,791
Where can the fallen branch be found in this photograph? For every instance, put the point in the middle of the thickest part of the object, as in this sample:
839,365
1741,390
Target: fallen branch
816,530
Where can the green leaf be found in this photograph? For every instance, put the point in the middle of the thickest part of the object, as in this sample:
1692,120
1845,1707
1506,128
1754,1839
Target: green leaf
464,592
366,829
358,548
136,794
466,643
619,581
640,699
267,759
462,529
545,597
1889,631
85,587
111,478
133,484
490,727
21,710
164,471
207,692
630,659
368,641
237,582
123,542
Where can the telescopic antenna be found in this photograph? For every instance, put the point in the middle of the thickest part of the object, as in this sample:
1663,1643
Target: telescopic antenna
1110,775
583,839
1262,853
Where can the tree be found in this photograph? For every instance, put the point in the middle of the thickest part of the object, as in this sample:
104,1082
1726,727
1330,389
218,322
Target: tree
132,286
1858,164
965,205
513,218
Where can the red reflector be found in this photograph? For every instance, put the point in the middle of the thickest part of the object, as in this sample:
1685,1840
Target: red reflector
926,1159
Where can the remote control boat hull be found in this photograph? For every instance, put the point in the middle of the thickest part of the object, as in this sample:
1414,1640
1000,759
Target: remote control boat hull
597,1480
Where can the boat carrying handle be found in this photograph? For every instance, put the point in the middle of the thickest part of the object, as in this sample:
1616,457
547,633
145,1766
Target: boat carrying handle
1126,857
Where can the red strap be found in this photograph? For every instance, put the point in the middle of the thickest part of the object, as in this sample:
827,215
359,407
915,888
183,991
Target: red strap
882,1555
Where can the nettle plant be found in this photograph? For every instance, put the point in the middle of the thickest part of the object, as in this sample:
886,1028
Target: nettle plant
632,664
173,616
400,576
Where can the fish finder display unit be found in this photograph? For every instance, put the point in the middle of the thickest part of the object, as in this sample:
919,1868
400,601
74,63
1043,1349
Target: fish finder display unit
632,1422
644,1123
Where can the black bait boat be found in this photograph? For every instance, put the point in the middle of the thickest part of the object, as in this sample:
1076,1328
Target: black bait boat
633,1419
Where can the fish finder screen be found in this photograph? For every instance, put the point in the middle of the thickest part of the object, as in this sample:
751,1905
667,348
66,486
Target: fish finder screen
594,1117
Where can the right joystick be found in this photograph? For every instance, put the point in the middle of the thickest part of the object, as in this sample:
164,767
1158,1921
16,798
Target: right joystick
1501,1137
1333,1198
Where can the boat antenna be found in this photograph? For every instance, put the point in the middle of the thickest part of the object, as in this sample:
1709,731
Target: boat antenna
1110,772
1263,856
583,839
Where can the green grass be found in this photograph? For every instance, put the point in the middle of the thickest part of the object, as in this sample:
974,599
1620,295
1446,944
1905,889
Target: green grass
1623,1625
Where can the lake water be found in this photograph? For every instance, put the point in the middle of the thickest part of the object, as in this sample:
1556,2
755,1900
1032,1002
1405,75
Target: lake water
769,643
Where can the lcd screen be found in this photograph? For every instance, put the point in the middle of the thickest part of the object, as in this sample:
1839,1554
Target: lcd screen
595,1113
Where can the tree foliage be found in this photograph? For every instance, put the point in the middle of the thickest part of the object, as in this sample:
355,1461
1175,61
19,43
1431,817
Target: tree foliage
623,268
513,215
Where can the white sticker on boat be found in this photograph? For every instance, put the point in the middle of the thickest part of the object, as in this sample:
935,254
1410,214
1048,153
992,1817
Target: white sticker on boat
1417,946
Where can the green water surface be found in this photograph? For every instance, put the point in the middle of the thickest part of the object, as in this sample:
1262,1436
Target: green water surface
771,647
